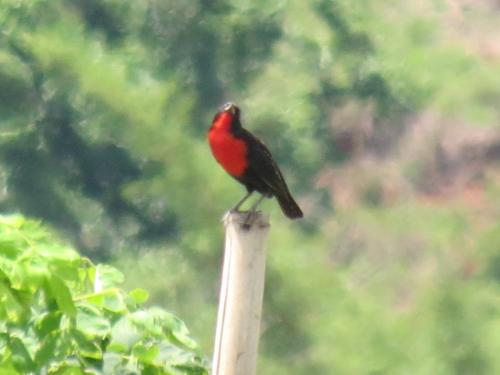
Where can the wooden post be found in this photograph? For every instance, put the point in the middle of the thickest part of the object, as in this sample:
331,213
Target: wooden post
241,292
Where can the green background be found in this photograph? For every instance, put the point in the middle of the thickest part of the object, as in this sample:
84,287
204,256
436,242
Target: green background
383,116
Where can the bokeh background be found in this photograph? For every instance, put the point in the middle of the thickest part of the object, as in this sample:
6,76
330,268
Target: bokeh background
384,116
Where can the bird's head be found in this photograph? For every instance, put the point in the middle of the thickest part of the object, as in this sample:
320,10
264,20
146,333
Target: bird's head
228,117
231,108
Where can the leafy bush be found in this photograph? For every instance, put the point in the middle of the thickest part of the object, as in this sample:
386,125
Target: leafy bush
62,314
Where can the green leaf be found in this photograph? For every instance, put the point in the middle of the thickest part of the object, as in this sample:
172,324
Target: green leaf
3,275
66,269
107,277
21,358
109,299
47,323
68,367
45,352
177,328
32,271
91,322
8,247
14,221
14,308
114,302
56,251
86,348
124,335
145,320
139,295
62,295
111,363
27,274
8,369
146,353
175,356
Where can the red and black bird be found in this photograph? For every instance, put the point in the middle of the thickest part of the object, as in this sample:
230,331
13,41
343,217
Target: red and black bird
249,161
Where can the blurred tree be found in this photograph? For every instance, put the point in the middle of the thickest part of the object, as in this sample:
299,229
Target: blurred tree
103,110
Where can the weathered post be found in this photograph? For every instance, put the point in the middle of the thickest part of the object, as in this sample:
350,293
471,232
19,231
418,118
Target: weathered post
241,292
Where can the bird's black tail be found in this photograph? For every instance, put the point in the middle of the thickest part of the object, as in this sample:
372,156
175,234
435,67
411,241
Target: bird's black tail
288,205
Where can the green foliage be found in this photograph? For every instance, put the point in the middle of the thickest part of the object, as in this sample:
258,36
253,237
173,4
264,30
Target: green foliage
61,314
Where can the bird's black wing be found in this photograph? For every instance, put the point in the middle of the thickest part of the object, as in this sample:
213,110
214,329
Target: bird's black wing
262,166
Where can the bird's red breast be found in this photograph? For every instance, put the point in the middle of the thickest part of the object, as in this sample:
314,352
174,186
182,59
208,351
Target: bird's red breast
228,150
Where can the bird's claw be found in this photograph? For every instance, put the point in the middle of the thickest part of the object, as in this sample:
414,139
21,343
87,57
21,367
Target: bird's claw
249,220
250,217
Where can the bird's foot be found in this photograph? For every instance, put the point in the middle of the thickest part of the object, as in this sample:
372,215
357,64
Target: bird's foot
249,219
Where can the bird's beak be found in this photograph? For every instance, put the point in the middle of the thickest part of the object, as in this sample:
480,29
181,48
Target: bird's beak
229,107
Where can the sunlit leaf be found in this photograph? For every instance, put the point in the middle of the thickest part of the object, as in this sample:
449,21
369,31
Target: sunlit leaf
45,352
124,335
62,295
92,322
46,323
146,354
86,347
140,296
107,277
21,358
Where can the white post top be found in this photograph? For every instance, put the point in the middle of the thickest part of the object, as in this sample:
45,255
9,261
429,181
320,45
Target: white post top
260,220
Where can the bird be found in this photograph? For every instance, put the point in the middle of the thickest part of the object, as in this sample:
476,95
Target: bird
247,159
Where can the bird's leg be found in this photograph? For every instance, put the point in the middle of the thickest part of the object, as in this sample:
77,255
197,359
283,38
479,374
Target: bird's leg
251,214
256,204
238,205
